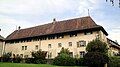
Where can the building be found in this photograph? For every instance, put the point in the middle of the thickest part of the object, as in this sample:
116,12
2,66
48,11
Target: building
114,47
73,34
1,45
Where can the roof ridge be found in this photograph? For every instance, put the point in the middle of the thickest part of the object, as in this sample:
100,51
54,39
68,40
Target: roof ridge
56,22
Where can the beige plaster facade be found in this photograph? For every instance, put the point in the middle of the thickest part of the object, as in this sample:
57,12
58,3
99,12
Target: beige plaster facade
53,49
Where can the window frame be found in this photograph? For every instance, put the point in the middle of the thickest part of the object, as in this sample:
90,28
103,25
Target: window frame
59,44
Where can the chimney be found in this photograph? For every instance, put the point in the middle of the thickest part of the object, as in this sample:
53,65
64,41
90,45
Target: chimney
19,28
54,20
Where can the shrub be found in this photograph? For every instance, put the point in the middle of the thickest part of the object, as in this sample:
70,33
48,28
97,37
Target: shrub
64,60
17,59
29,60
80,62
6,57
114,61
39,56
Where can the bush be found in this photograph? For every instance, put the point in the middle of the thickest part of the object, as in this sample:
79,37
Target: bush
39,57
17,59
64,60
114,61
6,57
29,60
80,62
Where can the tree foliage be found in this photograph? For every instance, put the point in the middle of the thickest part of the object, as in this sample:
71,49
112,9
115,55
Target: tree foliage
64,59
95,59
65,51
97,46
114,61
113,2
96,53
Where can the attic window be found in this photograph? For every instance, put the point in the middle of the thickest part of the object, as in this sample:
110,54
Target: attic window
60,36
43,38
51,37
88,33
73,34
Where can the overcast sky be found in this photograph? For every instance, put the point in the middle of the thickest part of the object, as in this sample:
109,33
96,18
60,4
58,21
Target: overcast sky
29,13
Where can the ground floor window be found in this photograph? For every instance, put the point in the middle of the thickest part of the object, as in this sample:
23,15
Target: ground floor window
71,54
82,53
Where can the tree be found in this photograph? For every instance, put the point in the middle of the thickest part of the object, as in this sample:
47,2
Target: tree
113,2
97,46
97,53
39,56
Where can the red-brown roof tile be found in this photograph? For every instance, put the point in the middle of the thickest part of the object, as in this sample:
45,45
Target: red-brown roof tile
56,27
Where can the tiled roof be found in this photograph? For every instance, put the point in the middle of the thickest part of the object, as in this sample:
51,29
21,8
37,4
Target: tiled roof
56,27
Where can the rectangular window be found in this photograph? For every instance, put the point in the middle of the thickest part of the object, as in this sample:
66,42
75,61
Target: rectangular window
22,47
49,45
88,33
21,55
82,53
81,43
36,47
25,47
59,45
51,37
70,43
73,34
60,36
71,54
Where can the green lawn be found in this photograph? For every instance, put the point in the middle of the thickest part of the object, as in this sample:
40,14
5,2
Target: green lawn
29,65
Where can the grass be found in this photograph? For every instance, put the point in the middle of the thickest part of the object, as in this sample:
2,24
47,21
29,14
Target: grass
30,65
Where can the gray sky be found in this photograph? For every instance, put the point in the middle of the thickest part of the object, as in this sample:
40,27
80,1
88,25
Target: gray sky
29,13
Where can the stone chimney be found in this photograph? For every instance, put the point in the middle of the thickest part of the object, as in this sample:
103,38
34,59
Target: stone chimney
54,20
19,28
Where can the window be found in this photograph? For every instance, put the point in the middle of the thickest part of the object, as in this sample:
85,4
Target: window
17,55
36,47
49,55
49,45
59,45
71,54
70,43
81,43
60,36
88,33
26,56
73,34
25,47
51,37
21,55
82,53
22,47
